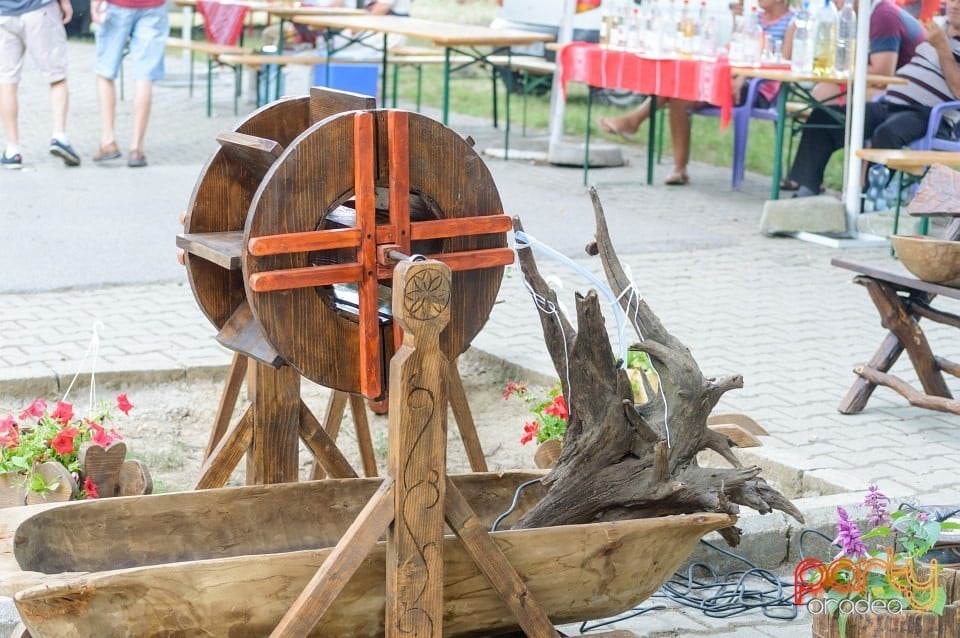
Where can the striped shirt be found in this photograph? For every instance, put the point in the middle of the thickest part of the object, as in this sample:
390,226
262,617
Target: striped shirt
925,85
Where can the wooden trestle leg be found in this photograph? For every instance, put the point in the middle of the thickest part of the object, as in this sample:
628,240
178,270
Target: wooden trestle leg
416,495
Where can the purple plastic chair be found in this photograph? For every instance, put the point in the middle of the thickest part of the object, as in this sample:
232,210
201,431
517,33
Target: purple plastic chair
930,141
741,116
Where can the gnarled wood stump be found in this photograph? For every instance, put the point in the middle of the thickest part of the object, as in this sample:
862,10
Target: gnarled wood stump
621,459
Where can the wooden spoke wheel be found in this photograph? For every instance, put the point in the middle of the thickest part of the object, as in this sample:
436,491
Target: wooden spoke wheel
220,202
313,186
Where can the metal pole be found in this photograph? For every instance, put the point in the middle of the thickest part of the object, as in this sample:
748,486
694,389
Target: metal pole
557,100
856,99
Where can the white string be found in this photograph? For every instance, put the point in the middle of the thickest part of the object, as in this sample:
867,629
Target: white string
632,291
92,349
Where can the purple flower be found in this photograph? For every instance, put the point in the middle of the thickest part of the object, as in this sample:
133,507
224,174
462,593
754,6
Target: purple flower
848,537
877,501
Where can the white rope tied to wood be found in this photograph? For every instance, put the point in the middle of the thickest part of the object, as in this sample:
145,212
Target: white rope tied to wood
93,351
632,292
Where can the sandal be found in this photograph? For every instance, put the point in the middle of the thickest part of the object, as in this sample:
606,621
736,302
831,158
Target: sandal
109,152
677,179
136,159
607,126
787,184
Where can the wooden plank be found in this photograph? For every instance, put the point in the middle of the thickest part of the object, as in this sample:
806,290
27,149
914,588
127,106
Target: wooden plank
440,228
274,449
304,242
217,468
332,418
882,360
736,433
364,441
325,102
339,565
464,419
257,519
220,248
256,154
365,161
740,419
398,149
899,278
417,454
243,334
102,466
501,575
228,401
440,33
325,450
306,277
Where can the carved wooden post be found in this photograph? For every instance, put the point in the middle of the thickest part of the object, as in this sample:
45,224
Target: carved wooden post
417,457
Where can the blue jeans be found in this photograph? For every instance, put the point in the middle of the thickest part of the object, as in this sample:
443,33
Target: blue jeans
146,30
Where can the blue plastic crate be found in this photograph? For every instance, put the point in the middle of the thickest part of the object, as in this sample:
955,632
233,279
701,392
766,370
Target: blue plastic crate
357,78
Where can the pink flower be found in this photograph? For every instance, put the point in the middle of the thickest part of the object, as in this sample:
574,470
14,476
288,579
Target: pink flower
123,404
100,436
9,434
63,442
63,412
877,501
558,408
90,488
848,537
530,430
35,409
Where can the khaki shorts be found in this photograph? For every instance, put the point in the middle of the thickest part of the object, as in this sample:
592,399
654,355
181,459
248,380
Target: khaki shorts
41,33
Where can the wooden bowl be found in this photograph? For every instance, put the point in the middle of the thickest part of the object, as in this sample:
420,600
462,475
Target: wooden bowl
930,259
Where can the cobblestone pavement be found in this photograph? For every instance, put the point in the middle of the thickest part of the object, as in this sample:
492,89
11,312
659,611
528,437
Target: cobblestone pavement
771,309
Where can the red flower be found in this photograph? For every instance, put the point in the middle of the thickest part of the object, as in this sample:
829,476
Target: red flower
63,413
9,435
515,387
558,408
123,404
36,409
63,442
530,430
90,488
100,436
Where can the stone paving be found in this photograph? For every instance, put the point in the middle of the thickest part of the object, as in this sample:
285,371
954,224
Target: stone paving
771,309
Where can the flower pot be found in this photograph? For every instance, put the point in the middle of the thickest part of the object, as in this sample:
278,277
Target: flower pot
15,491
906,624
547,454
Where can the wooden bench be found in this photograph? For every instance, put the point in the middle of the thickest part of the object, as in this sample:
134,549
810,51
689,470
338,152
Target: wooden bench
902,300
214,53
401,56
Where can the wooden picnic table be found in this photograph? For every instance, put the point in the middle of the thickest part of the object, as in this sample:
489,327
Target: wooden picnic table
794,88
462,39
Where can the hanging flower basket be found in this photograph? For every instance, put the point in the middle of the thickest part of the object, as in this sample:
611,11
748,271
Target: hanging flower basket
547,454
51,456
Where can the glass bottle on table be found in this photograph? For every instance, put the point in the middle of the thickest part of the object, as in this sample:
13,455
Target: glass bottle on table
825,40
753,38
846,39
654,36
801,59
685,30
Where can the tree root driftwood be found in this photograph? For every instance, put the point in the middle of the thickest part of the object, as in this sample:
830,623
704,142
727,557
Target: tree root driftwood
625,460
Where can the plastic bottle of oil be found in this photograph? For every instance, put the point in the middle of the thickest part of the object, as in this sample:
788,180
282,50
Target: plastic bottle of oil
825,40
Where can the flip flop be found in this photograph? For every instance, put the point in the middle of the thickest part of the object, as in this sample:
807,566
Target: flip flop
607,126
677,179
788,185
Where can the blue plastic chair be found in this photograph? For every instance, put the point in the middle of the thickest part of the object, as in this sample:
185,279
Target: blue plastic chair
741,116
930,141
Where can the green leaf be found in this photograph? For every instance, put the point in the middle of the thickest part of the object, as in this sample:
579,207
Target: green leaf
842,625
881,530
949,525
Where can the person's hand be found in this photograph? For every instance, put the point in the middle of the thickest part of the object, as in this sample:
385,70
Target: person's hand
98,11
936,36
67,10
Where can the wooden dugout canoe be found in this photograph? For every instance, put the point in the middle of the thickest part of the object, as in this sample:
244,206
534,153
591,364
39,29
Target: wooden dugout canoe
231,562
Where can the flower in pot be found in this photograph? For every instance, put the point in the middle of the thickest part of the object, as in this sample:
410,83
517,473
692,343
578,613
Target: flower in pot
549,410
877,580
52,453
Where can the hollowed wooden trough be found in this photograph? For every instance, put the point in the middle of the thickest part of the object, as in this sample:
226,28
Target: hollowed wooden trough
230,562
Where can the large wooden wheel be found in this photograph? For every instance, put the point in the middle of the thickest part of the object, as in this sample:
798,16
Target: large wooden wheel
312,187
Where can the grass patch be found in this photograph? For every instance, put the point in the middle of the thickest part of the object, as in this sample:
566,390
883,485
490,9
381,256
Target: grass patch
164,459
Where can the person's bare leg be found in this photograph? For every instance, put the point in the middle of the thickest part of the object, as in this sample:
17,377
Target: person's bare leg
629,123
680,137
142,101
9,113
59,103
107,99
